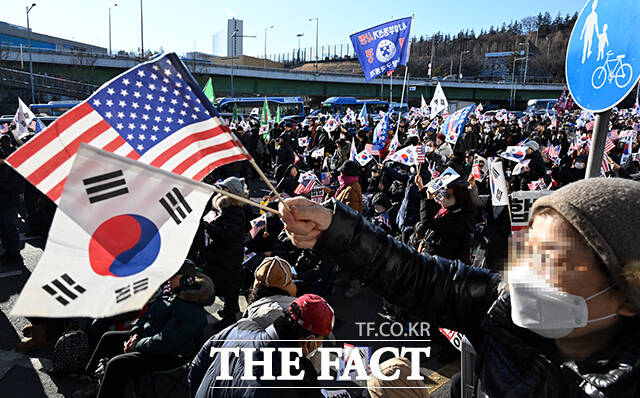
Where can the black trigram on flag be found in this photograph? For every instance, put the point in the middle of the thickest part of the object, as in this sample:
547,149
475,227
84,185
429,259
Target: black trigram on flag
125,292
176,205
105,186
64,289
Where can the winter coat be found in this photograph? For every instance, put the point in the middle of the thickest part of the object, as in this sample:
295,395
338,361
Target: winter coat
11,184
452,233
173,324
352,196
288,183
205,368
267,309
536,170
444,151
225,252
566,175
512,361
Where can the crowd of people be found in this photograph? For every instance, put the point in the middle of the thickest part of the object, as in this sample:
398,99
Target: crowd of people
372,220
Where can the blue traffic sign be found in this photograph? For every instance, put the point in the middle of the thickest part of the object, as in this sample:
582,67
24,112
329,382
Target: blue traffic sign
603,57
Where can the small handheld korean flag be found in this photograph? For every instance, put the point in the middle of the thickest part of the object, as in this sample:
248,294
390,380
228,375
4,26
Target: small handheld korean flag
122,229
498,184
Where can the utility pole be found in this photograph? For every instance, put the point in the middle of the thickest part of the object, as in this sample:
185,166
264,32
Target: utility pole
526,62
265,45
299,35
141,33
316,19
33,92
115,5
460,66
433,50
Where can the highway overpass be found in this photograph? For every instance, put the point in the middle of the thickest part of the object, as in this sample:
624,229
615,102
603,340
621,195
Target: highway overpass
95,69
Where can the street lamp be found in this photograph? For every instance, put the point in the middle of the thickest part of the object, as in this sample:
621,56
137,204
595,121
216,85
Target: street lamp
526,63
460,66
316,19
141,33
513,79
265,45
33,93
115,5
233,53
299,35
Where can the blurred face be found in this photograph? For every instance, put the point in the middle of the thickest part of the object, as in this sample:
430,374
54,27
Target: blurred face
293,172
430,147
448,199
438,141
555,252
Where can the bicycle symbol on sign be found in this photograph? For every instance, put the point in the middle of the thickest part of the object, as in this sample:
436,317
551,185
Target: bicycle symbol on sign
613,69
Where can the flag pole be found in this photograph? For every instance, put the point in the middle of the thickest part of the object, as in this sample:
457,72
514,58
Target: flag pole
245,200
271,187
404,82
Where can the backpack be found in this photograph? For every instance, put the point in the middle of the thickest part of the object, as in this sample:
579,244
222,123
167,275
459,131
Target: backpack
71,353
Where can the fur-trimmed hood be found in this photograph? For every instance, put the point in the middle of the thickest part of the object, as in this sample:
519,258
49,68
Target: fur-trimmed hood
220,202
202,294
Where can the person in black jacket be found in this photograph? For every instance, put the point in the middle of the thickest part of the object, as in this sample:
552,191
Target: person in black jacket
447,221
11,185
225,251
289,182
566,175
564,325
535,169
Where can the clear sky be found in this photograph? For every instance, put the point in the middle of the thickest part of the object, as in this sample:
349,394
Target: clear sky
189,25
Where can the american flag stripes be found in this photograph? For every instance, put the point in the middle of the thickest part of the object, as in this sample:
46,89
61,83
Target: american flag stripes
605,166
609,145
303,189
384,219
257,225
420,153
372,149
154,113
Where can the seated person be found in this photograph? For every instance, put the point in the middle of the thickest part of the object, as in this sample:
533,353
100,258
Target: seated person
163,338
307,322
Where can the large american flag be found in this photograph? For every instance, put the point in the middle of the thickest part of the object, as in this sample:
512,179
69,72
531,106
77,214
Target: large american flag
154,113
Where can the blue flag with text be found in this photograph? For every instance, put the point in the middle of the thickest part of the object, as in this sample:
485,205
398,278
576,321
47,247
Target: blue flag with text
383,47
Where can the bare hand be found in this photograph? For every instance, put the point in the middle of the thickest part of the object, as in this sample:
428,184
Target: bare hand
419,182
305,222
471,180
130,344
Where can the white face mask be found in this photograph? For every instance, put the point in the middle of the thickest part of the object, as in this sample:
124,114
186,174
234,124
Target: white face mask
428,149
544,309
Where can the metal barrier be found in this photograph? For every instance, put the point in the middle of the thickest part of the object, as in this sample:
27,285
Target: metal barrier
47,83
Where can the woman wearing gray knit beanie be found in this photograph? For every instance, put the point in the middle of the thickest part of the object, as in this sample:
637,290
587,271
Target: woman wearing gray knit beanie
562,321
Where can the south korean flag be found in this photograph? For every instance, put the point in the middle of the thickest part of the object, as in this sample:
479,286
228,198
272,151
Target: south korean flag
121,230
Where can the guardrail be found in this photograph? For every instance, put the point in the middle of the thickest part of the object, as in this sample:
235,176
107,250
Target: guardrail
47,83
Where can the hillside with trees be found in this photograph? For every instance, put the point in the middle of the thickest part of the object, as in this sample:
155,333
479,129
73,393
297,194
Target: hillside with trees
547,38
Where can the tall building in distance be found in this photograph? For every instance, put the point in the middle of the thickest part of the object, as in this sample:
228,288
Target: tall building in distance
234,44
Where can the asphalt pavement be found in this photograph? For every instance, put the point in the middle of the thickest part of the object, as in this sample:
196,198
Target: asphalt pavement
26,375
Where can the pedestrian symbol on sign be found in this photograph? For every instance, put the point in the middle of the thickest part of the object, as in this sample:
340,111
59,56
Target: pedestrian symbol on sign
603,59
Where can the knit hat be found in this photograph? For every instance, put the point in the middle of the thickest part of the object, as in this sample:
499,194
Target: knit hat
385,389
441,137
313,314
235,185
606,213
534,146
275,272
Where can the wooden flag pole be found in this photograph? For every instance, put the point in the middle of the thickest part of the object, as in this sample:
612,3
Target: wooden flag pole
266,180
245,200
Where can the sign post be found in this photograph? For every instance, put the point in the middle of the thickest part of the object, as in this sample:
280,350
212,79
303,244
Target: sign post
603,64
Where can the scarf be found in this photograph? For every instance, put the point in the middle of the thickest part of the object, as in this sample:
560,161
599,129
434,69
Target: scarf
345,181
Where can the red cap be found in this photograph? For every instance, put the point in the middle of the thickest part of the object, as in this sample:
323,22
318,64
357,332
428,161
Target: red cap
315,314
441,137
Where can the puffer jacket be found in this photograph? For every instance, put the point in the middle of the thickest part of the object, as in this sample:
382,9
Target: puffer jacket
512,361
268,309
173,323
205,369
224,255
